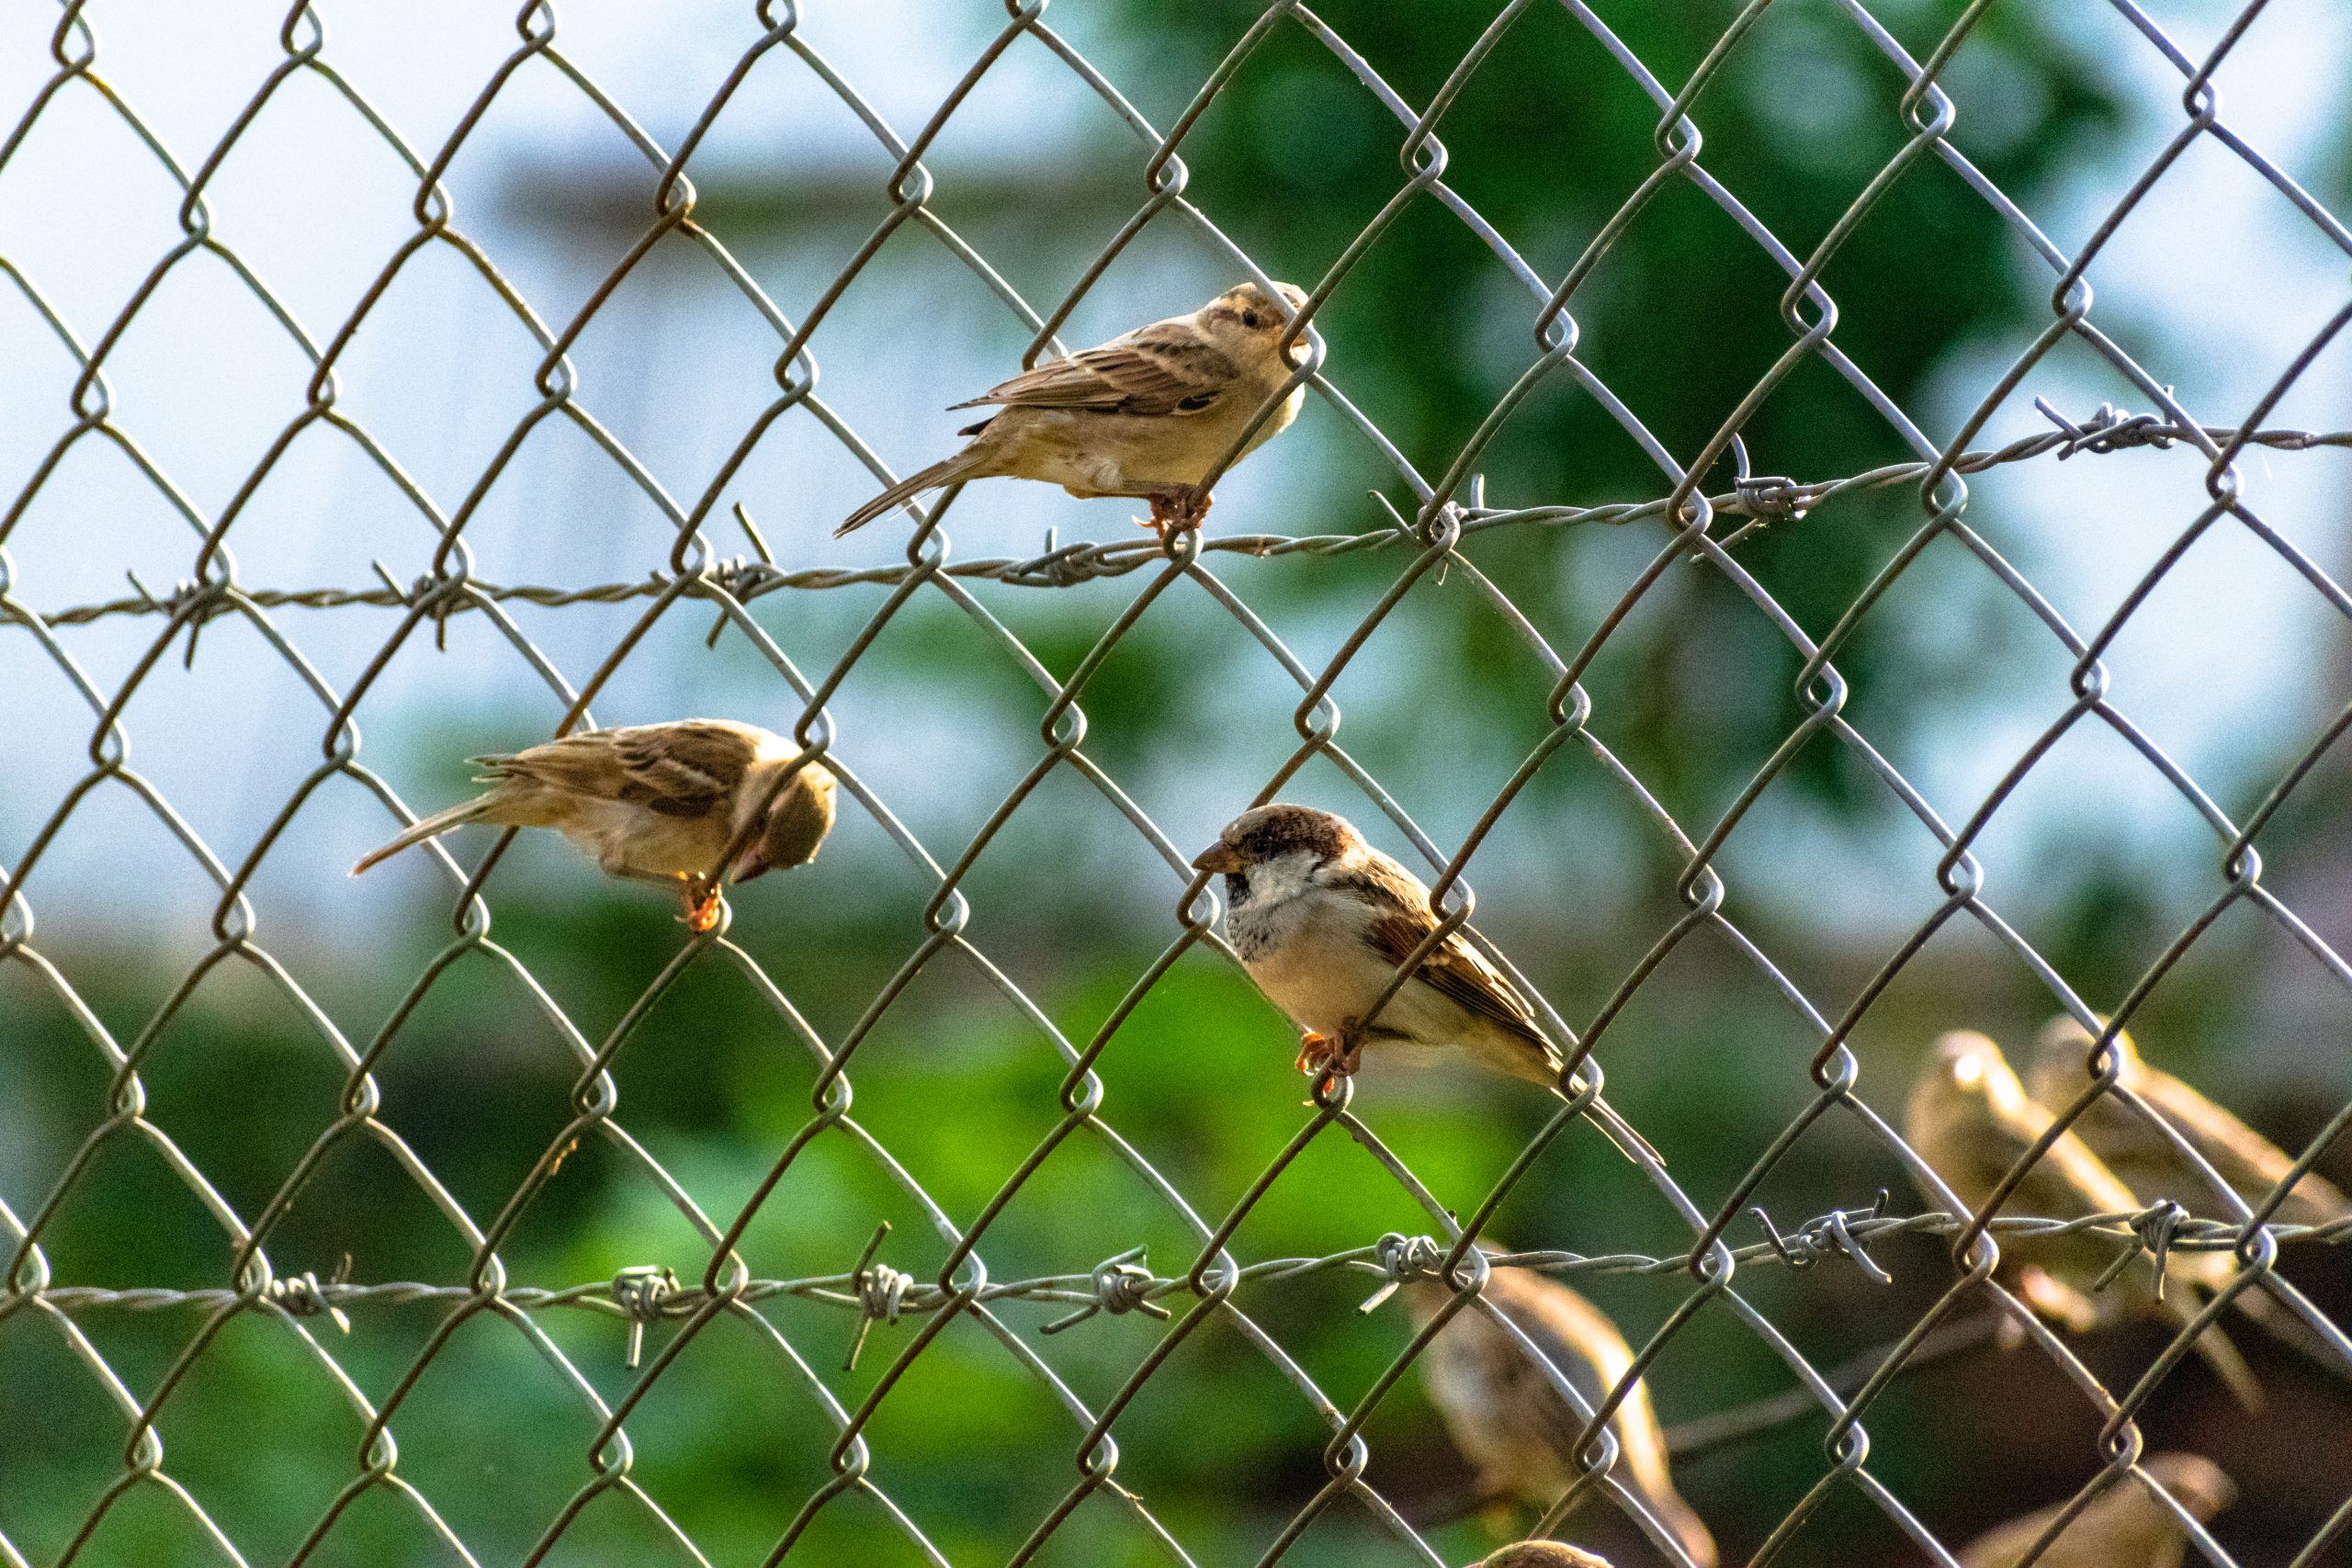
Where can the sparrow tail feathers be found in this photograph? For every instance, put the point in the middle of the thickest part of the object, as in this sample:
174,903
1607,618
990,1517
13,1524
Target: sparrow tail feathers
1620,1132
431,827
945,472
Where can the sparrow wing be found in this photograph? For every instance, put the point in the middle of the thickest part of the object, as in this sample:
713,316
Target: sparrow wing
2244,1157
688,770
1164,369
1454,969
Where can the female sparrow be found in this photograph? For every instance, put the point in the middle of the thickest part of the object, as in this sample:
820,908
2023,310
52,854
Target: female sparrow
654,802
1510,1422
1322,922
2145,1159
1972,1119
1142,415
1542,1555
2127,1526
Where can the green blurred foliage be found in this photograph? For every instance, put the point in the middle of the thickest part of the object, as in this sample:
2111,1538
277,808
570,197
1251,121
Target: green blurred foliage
1547,138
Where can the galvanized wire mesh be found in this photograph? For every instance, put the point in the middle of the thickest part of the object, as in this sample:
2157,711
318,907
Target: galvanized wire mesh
666,1315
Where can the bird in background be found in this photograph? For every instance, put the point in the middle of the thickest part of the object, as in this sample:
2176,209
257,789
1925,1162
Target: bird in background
1542,1555
2127,1527
1515,1426
1144,415
655,803
2145,1159
1322,921
1972,1119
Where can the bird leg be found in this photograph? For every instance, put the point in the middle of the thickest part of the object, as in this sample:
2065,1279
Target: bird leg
1314,1053
705,903
1178,506
1339,1055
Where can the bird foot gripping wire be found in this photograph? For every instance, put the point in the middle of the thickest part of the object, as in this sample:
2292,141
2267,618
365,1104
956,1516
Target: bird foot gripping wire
881,1293
1830,1236
2157,1228
1403,1258
1122,1284
641,1293
1335,1054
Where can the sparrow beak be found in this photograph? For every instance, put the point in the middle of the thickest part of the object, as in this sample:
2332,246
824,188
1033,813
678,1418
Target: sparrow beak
1219,856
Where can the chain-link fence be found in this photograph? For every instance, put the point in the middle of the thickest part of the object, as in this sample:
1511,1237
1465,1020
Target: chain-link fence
413,1279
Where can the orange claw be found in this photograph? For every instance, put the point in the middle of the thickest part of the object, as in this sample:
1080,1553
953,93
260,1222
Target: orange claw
704,909
1314,1053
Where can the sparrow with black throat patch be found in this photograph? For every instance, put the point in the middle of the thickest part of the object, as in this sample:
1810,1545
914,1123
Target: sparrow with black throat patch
1322,922
1144,415
655,803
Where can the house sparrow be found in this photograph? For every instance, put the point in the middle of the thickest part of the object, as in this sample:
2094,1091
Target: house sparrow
1542,1555
2143,1158
654,802
1972,1119
2126,1528
1143,415
1509,1421
1321,921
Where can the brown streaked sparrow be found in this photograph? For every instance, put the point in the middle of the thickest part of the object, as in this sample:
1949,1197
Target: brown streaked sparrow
1970,1117
1509,1421
1542,1555
2126,1526
2145,1159
654,802
1322,922
1143,415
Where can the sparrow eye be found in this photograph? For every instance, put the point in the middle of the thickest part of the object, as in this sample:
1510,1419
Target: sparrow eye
1250,319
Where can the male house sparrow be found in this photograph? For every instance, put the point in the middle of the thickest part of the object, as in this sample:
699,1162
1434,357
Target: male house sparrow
1972,1119
654,802
1542,1555
1510,1422
1145,414
2145,1159
1322,921
2126,1528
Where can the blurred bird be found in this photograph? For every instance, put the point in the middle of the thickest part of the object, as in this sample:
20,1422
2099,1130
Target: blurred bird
1514,1425
1972,1119
1542,1555
1322,921
2126,1528
654,802
1142,415
2145,1160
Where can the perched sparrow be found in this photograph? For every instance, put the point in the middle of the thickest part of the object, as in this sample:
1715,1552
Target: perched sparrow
1542,1555
1970,1118
2126,1528
1321,921
1512,1424
2145,1160
1143,415
655,802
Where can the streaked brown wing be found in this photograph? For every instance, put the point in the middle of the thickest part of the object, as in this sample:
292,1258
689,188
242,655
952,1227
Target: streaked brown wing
1454,969
1525,1390
688,770
1161,369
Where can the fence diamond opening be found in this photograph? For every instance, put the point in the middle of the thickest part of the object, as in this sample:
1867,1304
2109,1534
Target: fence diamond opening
652,1318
